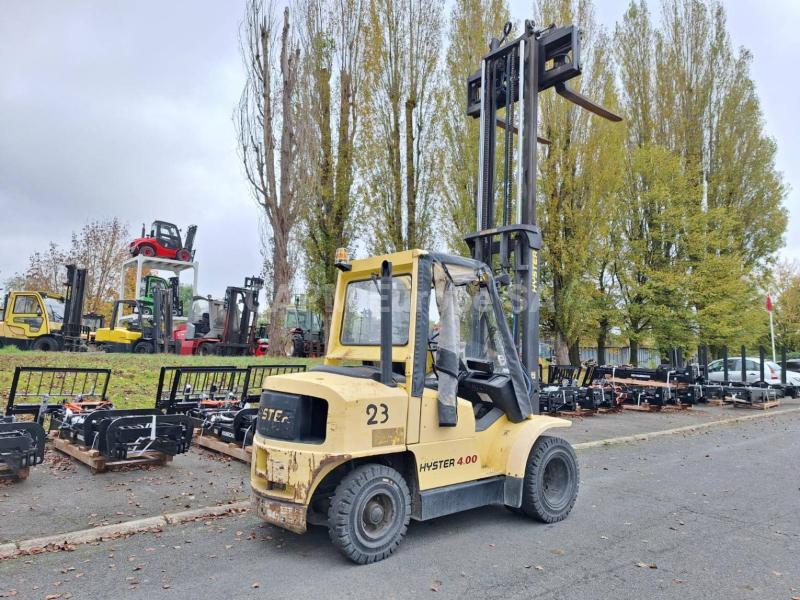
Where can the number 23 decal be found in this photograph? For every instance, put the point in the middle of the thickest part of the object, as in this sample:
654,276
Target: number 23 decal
374,411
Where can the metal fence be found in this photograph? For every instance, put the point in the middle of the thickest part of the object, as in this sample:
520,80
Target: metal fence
620,355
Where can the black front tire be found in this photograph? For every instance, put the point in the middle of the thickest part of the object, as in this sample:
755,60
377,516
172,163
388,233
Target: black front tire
369,513
143,348
45,344
551,480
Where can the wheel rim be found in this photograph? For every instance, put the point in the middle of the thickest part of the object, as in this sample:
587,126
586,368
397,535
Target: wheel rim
288,349
556,482
183,255
377,516
147,251
377,519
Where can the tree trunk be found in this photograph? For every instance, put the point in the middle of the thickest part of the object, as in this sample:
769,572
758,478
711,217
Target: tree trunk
602,337
575,353
397,177
634,352
411,232
282,274
561,350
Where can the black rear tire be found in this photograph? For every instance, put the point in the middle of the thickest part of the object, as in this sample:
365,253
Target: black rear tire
369,513
45,344
206,349
143,348
551,480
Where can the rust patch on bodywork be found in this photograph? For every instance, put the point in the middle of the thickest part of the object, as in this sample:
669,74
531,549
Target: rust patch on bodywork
288,515
328,459
315,468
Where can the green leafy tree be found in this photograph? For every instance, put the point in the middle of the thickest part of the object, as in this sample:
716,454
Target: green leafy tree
692,264
399,149
578,180
785,289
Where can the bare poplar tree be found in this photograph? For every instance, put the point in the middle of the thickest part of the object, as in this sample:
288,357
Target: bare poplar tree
332,33
266,117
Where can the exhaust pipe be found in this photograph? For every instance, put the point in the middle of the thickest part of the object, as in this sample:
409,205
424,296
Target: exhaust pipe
386,324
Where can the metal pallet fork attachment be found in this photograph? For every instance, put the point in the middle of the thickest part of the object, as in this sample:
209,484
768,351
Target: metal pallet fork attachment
82,417
219,401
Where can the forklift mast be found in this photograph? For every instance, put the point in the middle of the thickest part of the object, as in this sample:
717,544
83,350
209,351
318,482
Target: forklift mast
73,305
162,320
188,243
239,333
177,304
511,76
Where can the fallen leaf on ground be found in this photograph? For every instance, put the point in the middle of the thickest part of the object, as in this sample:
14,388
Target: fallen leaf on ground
645,565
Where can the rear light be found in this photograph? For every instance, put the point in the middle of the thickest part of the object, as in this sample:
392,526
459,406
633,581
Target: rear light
773,374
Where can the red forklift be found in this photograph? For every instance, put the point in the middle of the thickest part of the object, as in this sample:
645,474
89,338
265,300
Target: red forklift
164,241
222,327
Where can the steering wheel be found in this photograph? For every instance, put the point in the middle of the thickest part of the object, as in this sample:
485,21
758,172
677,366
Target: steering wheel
433,346
433,341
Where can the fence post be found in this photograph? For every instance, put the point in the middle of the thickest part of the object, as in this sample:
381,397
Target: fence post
744,364
783,364
725,365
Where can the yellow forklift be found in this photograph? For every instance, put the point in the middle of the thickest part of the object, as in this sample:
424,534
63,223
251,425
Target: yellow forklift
138,326
39,321
440,413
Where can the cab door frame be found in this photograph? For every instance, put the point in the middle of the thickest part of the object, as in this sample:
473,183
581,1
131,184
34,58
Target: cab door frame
27,324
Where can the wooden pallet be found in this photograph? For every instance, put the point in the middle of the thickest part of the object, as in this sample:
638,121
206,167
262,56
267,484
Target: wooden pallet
644,383
738,403
714,402
579,412
234,450
99,463
646,407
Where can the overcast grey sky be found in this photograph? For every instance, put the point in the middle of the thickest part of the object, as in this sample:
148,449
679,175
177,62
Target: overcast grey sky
124,109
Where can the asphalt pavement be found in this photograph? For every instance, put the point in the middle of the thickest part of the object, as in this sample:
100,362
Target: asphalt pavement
712,514
62,495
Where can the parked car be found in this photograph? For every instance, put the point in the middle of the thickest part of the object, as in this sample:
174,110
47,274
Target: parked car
793,364
772,371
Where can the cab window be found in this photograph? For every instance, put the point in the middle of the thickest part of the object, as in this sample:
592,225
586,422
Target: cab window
168,236
361,324
27,305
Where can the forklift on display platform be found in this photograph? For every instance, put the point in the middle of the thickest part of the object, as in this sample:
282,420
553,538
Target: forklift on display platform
428,402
